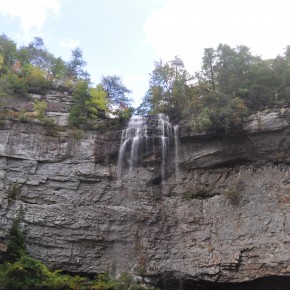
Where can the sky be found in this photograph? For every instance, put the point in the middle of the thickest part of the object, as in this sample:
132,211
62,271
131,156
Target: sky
125,37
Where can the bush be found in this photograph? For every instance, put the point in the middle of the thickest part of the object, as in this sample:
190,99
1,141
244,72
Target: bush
16,238
191,195
36,79
13,189
22,115
76,133
22,272
11,84
233,193
29,273
39,107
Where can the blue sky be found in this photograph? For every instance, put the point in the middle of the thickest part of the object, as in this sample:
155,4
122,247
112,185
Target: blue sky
124,37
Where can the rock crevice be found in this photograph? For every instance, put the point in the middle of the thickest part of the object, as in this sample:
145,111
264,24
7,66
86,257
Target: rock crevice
226,218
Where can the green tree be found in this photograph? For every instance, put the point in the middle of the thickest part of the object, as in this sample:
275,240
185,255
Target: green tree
208,62
263,86
35,78
78,114
97,101
117,96
16,246
88,102
168,88
11,84
58,71
8,52
1,61
117,92
75,67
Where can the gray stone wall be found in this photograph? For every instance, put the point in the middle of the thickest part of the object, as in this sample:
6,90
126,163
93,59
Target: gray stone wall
225,218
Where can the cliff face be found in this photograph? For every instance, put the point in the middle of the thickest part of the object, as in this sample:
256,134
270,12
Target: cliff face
223,216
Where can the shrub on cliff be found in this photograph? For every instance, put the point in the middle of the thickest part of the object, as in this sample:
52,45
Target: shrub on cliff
16,239
21,272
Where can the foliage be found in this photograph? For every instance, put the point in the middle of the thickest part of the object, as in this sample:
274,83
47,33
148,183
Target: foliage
13,85
117,92
13,189
125,281
217,111
76,133
233,192
32,68
1,61
8,52
89,102
22,272
231,84
124,114
80,111
23,116
39,107
167,89
97,101
191,195
35,77
75,67
29,273
16,246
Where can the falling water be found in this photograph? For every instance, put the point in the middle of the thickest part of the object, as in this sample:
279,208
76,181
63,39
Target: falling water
165,128
132,136
176,146
139,140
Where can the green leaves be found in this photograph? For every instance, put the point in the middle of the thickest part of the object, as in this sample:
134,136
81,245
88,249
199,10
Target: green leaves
167,89
39,107
16,246
88,103
98,100
117,92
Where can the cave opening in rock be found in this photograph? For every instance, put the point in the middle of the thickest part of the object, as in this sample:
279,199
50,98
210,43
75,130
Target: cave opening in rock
265,283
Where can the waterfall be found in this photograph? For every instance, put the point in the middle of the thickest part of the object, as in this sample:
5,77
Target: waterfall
132,136
141,138
176,146
165,128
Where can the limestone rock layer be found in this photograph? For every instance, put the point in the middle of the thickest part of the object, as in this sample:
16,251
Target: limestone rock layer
224,217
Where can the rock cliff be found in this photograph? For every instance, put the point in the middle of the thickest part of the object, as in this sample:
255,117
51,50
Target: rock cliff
223,217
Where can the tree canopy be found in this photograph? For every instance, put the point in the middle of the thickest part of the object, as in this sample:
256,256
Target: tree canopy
231,84
32,68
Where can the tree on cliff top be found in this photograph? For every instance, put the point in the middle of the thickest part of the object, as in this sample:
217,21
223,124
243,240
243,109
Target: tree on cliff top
117,92
88,103
167,91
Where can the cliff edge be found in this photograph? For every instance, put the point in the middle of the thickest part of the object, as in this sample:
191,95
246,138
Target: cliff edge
223,216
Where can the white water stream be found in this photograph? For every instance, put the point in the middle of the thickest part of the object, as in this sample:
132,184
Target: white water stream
135,141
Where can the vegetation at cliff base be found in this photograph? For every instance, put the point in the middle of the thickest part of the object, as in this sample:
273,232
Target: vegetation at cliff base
19,271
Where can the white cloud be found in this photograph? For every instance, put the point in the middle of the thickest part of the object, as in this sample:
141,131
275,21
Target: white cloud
69,43
186,27
31,13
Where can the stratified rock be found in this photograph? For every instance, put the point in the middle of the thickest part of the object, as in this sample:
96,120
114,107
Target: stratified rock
225,217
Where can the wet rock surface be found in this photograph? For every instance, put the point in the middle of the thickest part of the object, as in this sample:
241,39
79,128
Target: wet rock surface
223,217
